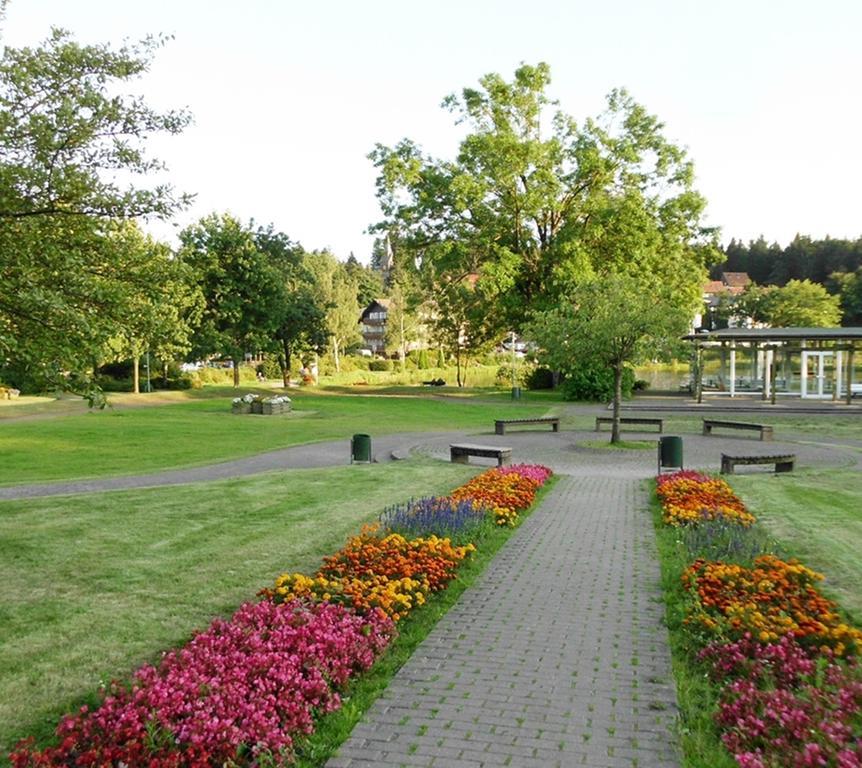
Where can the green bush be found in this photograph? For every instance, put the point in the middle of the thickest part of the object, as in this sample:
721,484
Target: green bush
441,358
595,383
112,384
540,378
270,367
380,365
422,362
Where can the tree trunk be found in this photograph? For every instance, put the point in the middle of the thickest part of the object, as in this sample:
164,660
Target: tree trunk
136,374
336,356
235,373
285,363
618,397
458,366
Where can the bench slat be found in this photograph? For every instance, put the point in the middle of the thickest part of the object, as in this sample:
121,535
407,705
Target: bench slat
655,422
459,453
500,424
766,431
783,462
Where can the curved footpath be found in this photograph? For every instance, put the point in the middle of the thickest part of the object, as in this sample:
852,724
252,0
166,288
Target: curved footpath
558,655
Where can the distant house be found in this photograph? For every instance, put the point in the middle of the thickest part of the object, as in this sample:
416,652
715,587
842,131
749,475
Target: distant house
714,291
373,322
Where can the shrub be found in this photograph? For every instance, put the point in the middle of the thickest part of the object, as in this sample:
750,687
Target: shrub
380,365
110,384
270,367
441,358
422,361
595,383
640,385
540,378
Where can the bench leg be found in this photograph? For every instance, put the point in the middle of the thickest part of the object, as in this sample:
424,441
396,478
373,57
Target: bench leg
504,461
765,435
783,466
460,458
555,427
500,429
707,430
726,466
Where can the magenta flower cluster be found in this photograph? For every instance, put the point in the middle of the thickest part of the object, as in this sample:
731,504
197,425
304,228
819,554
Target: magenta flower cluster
238,692
785,705
536,472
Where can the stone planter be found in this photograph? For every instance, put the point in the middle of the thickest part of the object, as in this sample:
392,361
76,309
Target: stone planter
257,407
271,409
241,408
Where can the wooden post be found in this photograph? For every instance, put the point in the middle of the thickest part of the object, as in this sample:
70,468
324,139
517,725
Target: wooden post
849,391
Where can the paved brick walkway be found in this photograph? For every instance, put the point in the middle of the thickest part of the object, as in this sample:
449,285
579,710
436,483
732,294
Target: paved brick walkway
557,656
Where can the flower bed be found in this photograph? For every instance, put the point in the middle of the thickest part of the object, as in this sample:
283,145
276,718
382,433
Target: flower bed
238,692
504,490
688,497
768,601
785,705
789,687
242,691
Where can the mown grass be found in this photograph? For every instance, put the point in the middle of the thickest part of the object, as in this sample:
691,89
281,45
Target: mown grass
192,432
815,516
334,728
94,585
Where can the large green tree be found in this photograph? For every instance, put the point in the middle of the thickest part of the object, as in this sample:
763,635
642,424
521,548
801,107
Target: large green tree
300,315
613,321
799,303
242,288
336,290
67,134
532,203
163,309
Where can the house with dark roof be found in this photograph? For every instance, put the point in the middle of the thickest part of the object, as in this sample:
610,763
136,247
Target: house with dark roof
373,326
714,292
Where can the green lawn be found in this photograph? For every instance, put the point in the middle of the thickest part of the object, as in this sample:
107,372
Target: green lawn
817,517
94,585
134,440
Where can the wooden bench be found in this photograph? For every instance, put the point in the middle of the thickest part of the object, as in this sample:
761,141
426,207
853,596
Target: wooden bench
783,462
764,429
629,420
500,424
460,453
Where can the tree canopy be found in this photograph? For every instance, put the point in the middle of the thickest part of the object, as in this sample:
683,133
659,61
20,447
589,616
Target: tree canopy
612,321
536,203
66,139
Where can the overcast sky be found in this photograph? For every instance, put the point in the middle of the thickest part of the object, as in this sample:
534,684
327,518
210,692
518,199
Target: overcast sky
288,98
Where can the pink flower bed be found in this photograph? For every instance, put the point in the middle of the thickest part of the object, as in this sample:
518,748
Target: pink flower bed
785,705
537,472
239,691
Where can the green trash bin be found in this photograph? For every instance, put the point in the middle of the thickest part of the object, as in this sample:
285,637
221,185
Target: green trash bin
516,393
670,452
360,448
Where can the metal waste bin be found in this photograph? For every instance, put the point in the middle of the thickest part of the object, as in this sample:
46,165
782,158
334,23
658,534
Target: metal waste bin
669,452
360,448
516,393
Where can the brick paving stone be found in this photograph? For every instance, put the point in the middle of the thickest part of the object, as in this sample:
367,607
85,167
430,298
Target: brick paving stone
557,655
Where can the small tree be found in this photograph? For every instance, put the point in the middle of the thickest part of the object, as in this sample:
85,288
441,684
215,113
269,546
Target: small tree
614,320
